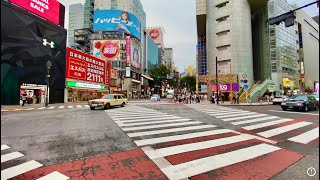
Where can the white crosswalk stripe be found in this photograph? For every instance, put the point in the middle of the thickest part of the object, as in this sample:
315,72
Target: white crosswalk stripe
51,107
23,167
306,137
177,135
257,126
255,120
60,107
281,130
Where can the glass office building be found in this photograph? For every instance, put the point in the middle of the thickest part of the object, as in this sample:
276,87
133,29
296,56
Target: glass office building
152,54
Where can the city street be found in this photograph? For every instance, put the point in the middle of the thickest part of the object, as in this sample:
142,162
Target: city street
160,140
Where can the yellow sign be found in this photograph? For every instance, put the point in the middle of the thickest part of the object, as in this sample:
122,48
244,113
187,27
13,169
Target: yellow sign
190,69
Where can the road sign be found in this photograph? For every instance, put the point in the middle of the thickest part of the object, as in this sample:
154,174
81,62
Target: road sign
246,87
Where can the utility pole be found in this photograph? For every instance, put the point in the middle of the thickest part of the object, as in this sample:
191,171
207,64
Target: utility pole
217,80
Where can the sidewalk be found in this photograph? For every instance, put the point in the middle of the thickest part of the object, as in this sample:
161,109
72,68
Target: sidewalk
26,106
228,103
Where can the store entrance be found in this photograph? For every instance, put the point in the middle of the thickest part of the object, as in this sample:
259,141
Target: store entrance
83,95
33,93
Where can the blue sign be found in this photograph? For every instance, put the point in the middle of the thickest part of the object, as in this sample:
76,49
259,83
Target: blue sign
245,87
117,20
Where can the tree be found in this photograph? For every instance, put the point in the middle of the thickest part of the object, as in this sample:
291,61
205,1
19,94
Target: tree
188,82
160,74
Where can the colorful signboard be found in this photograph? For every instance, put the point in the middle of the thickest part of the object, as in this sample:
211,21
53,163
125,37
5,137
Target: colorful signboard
48,9
117,20
114,74
84,67
108,73
107,49
225,87
84,85
156,34
316,87
128,50
135,60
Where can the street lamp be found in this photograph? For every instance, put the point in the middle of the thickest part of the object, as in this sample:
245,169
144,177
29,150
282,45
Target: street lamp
48,65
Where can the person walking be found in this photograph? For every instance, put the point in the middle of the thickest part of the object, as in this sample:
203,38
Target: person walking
222,98
24,99
42,99
212,99
234,99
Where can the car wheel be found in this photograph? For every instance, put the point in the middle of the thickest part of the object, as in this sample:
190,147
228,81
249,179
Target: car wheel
122,105
284,108
306,109
92,108
107,106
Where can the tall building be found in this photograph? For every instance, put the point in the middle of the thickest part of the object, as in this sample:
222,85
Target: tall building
236,33
151,54
76,21
88,13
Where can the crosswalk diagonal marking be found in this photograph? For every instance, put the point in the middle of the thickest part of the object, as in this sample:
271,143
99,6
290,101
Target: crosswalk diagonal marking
202,165
10,156
54,176
4,147
306,137
281,130
20,169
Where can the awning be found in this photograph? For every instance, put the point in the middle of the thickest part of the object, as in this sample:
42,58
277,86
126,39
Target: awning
150,78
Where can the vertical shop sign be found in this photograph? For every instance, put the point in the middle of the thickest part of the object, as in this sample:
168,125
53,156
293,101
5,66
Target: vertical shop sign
128,50
108,73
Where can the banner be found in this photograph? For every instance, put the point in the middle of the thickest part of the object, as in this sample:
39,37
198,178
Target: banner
117,20
48,9
135,60
225,87
108,73
107,49
128,50
128,72
114,74
84,67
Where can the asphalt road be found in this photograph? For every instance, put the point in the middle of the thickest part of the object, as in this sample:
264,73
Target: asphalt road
61,135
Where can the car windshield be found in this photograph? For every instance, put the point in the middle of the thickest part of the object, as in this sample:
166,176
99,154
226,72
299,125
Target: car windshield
298,98
107,97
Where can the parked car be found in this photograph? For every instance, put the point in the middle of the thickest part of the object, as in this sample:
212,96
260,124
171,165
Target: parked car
300,102
279,99
155,97
108,101
316,96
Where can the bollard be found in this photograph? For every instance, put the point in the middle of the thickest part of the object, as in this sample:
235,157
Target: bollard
250,102
260,101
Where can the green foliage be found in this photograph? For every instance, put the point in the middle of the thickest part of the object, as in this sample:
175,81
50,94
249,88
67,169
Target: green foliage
308,90
160,73
188,82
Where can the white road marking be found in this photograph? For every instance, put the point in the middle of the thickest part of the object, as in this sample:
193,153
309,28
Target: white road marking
152,119
314,114
79,106
29,109
196,146
42,108
10,156
254,120
306,137
244,117
20,169
257,126
121,124
144,142
146,133
236,114
132,113
202,165
60,107
70,107
160,126
4,147
51,107
281,130
86,106
54,176
140,117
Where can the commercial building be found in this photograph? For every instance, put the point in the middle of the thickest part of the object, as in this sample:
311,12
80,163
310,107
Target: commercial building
76,21
152,54
168,58
27,50
88,14
236,33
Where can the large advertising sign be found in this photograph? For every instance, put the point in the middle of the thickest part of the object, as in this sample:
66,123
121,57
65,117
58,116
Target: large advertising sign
117,20
135,60
225,87
128,50
156,35
107,49
84,67
48,9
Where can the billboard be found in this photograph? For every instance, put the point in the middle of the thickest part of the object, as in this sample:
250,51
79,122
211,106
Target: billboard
135,60
225,87
117,20
84,67
156,34
107,49
48,9
128,50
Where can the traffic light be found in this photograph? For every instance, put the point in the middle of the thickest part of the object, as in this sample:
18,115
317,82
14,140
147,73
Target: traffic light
287,18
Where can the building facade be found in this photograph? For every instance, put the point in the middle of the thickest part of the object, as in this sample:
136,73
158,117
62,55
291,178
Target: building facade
168,58
76,21
88,13
152,54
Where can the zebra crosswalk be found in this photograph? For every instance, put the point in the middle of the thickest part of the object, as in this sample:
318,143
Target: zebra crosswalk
282,129
184,148
9,171
47,108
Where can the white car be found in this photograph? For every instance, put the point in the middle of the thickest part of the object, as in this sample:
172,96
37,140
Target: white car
279,99
155,97
108,101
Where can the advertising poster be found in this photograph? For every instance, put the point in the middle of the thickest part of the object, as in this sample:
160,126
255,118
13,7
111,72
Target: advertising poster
135,57
117,20
48,9
107,49
84,67
316,87
128,50
156,35
225,87
128,71
108,73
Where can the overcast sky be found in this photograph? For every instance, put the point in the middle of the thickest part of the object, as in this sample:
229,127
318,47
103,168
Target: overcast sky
178,18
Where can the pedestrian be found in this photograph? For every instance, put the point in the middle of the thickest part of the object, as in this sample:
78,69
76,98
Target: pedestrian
42,99
234,99
212,99
24,99
237,97
191,98
222,98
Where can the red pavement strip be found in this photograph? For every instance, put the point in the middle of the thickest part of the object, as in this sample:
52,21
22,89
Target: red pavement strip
131,164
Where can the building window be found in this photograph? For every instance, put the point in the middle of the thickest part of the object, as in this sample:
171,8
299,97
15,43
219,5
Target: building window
222,4
224,18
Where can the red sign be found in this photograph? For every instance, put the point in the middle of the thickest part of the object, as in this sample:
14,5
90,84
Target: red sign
128,50
108,73
48,9
110,50
154,34
81,66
